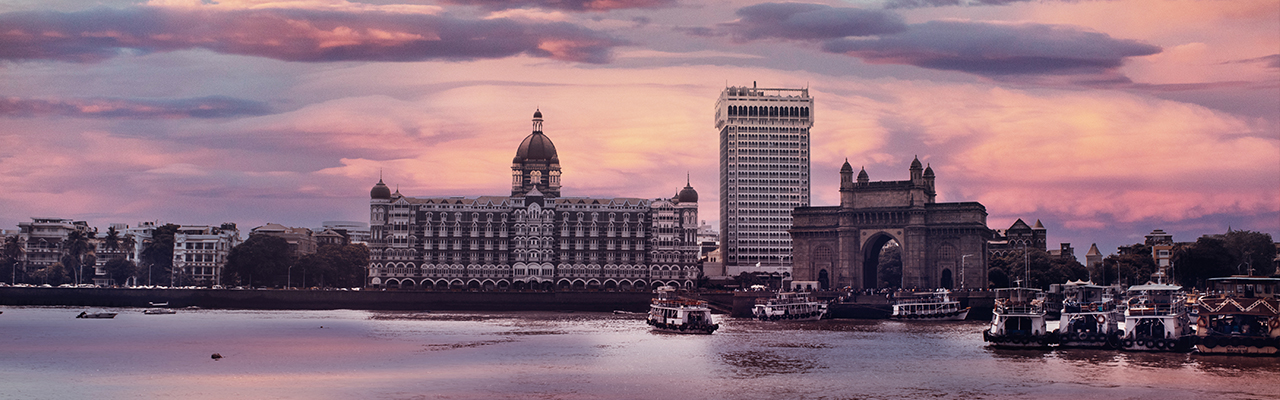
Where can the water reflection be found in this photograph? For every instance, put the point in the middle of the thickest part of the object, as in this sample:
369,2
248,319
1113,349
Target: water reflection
759,363
358,354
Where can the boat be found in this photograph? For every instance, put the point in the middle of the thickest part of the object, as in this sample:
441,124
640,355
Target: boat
158,311
97,315
1090,317
1156,319
1239,315
670,313
927,306
159,304
1018,320
789,306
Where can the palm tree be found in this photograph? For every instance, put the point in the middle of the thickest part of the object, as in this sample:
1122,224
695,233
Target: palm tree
112,240
13,253
76,246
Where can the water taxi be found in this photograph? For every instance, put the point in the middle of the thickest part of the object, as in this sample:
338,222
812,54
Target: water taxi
789,306
1018,320
1089,316
1239,315
927,306
1156,319
670,313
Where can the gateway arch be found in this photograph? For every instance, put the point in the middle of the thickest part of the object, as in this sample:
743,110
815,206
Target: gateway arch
944,245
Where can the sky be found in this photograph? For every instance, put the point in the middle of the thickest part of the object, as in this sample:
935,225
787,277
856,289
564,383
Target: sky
1102,119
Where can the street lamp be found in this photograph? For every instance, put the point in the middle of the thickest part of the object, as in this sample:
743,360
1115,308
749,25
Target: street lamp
288,282
962,260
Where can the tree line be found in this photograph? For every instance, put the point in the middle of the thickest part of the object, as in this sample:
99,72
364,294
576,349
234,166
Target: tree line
259,261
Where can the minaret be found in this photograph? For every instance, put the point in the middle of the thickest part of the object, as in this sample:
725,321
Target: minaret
846,185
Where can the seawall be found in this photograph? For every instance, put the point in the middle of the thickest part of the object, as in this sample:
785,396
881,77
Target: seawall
737,304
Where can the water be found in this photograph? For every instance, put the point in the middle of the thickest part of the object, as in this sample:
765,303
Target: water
45,353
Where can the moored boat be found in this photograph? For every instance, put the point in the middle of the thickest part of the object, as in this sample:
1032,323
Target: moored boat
1089,316
1018,320
1239,315
670,313
927,306
1156,319
96,315
789,306
159,311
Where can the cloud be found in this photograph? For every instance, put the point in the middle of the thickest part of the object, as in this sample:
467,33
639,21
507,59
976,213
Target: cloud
201,107
1271,61
996,49
302,35
566,5
948,3
803,21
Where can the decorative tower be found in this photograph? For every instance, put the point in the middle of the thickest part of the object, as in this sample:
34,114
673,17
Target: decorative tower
536,164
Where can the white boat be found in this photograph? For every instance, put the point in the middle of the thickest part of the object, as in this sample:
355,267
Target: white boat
670,313
158,311
1018,320
928,306
1090,316
1239,315
96,315
789,306
1156,319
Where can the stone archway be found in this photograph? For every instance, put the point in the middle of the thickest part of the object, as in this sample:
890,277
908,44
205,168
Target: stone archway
947,280
871,250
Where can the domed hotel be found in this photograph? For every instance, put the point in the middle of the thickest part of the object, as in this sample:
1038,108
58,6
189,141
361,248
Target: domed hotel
533,239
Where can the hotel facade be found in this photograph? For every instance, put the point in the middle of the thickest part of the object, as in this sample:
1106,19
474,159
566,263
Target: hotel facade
533,239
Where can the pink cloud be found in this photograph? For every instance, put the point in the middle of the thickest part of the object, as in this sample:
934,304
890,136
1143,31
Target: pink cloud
290,34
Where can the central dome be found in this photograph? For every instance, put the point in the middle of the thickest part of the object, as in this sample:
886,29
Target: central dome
536,146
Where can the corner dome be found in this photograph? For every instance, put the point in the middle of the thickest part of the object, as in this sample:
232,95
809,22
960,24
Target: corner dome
915,164
928,172
380,191
846,167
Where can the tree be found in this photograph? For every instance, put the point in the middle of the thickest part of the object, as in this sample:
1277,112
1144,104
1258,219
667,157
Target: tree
78,257
120,269
55,274
260,260
157,255
1232,253
11,254
112,239
335,265
1133,266
1251,249
890,268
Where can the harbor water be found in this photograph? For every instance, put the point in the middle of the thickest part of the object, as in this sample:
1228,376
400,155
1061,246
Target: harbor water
46,353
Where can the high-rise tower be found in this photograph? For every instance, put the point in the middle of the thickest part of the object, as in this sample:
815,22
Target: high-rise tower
764,171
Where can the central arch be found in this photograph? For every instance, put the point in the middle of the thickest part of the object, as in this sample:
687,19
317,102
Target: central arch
871,250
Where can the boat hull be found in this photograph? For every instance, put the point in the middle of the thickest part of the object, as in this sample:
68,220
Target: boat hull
1238,345
683,328
960,315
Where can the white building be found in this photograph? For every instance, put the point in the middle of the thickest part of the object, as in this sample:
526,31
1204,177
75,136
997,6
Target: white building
355,231
200,252
764,173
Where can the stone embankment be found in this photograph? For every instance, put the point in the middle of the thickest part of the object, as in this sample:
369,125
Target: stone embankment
736,304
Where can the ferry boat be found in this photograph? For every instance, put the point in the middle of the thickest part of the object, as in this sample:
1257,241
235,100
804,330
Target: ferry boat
789,306
1156,319
1018,320
928,306
1089,316
670,313
1239,315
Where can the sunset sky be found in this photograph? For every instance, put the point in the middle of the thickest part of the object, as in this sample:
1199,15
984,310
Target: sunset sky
1103,119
